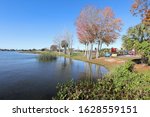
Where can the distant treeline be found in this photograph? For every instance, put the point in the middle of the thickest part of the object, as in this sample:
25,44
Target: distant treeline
21,49
7,50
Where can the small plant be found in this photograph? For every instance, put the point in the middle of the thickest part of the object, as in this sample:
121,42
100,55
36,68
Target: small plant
47,57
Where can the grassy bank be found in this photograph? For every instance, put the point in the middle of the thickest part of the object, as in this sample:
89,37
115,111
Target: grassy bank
110,63
80,56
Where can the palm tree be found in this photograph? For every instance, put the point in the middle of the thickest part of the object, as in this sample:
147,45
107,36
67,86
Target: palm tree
140,32
64,45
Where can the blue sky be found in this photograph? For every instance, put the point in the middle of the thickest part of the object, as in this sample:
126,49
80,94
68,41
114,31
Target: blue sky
26,24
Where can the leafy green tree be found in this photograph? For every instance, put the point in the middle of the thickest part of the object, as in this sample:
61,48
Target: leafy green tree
135,36
127,42
138,38
140,32
144,48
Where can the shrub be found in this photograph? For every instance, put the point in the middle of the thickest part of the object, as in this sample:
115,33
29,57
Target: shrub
84,90
134,85
123,83
45,57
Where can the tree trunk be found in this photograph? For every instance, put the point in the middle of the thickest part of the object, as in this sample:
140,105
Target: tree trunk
90,52
59,45
65,50
85,53
99,47
69,52
101,42
59,50
97,50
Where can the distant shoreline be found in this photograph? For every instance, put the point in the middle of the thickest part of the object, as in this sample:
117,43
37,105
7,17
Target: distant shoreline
30,52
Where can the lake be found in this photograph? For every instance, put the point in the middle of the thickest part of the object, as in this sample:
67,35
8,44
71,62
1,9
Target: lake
23,77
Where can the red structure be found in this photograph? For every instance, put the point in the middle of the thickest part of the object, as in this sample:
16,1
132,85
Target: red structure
113,50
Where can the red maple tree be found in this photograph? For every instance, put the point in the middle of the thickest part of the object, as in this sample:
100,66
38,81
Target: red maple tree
97,25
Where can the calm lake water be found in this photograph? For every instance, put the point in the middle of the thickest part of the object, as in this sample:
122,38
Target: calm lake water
23,77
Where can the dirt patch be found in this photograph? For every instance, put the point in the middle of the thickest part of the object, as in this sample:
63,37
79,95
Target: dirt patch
118,61
113,60
142,67
121,61
110,60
